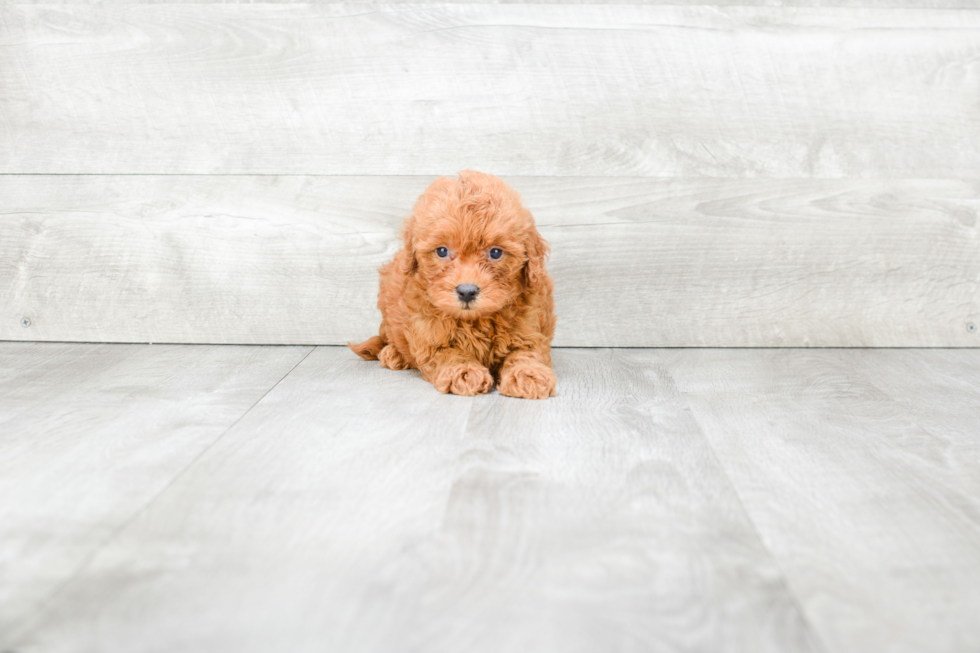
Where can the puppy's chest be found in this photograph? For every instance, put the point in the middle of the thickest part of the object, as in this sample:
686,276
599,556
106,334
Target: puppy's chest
486,340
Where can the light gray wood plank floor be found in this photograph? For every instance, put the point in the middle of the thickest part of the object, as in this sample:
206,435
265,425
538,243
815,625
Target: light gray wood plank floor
173,498
860,471
90,434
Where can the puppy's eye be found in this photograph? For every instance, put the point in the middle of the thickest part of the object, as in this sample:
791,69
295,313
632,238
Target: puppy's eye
442,252
496,253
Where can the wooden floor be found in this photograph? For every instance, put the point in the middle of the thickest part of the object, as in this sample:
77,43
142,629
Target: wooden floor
233,498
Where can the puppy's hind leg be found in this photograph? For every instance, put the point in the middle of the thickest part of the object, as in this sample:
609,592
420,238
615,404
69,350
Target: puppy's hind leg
391,359
369,349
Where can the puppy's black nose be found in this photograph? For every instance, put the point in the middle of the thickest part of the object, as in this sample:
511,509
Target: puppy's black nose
467,292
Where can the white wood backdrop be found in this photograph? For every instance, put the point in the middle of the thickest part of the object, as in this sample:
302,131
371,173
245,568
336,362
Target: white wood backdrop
509,89
707,175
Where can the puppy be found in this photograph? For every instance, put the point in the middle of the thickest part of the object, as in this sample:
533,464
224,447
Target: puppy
467,299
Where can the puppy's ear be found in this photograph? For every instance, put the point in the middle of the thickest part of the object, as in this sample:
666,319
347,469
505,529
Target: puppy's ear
409,264
537,252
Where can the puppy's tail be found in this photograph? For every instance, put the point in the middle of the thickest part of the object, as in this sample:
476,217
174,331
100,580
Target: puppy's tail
368,350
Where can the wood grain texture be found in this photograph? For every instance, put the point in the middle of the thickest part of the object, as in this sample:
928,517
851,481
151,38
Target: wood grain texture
873,514
588,90
357,509
91,434
637,262
939,390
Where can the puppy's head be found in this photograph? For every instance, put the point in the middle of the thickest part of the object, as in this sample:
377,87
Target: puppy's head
473,246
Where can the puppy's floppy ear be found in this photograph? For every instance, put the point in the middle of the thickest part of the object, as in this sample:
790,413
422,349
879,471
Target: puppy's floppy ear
537,251
409,263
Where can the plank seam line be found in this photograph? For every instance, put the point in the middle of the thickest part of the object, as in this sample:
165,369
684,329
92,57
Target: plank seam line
783,578
33,623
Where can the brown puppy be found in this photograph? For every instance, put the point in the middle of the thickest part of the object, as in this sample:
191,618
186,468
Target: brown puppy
467,300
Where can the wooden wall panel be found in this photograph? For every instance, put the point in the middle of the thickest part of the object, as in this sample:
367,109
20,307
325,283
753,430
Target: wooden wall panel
637,262
615,90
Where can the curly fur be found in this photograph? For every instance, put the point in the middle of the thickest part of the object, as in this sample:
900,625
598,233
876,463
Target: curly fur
504,335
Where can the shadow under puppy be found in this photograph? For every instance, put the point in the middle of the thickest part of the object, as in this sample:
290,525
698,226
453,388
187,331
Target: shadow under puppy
467,299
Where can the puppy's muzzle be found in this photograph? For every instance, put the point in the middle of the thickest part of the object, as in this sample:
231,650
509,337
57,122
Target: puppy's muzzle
467,292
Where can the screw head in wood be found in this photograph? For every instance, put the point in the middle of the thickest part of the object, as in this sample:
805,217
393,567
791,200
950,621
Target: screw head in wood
26,322
971,327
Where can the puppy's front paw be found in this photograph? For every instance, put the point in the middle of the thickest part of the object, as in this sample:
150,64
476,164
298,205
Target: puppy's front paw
466,379
528,380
